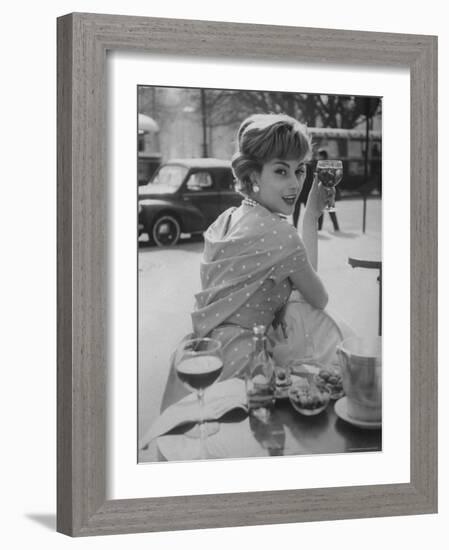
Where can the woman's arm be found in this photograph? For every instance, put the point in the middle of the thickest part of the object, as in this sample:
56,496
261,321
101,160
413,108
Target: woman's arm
307,281
310,286
310,236
316,201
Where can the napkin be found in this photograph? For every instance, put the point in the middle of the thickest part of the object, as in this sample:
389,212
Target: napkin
218,400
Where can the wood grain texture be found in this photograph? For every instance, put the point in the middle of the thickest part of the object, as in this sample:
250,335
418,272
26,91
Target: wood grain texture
423,275
83,40
64,277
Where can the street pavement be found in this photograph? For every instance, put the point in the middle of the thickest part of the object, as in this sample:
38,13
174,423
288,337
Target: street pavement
169,278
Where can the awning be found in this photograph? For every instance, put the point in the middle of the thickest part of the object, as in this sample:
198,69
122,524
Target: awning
147,124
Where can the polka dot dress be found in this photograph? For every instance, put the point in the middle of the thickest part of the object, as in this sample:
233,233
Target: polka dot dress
245,279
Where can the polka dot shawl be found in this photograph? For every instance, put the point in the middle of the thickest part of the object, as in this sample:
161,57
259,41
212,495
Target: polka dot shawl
245,269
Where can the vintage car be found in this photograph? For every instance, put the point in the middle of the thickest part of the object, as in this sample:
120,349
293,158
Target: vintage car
185,196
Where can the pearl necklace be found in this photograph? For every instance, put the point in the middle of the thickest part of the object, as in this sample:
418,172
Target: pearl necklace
250,202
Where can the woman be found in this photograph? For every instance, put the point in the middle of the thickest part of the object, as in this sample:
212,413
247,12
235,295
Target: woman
254,258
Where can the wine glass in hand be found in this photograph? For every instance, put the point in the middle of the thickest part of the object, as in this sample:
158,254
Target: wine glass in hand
198,364
329,174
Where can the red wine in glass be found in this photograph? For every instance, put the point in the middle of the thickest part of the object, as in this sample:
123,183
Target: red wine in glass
198,373
199,364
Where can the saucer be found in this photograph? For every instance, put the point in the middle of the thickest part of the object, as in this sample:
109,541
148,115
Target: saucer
342,412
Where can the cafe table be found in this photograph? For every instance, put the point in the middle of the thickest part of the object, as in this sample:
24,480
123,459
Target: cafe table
285,432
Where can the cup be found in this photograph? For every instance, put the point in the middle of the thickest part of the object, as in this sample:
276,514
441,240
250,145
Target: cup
361,367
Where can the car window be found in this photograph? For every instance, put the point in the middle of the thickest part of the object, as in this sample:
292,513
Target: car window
169,176
199,181
167,180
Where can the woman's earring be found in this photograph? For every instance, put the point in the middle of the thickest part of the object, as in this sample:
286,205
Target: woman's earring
256,188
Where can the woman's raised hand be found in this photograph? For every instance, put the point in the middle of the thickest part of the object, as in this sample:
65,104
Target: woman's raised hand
318,197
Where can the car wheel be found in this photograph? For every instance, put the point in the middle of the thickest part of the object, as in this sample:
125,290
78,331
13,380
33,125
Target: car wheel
166,231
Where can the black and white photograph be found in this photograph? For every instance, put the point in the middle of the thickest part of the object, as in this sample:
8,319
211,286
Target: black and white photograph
259,273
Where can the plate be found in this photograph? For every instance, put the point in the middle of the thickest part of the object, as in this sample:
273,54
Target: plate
341,411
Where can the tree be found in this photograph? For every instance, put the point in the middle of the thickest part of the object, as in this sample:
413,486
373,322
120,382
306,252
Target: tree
229,107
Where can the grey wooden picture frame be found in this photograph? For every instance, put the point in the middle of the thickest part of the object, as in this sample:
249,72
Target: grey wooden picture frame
83,42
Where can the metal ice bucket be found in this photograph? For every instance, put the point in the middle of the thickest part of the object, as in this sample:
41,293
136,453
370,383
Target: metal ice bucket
361,365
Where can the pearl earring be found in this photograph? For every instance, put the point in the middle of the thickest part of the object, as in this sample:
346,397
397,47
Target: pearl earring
256,188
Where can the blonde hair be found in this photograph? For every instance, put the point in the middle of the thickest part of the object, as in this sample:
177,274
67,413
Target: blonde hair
263,137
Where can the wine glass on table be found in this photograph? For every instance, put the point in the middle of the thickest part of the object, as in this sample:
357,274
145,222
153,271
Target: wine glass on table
329,174
198,364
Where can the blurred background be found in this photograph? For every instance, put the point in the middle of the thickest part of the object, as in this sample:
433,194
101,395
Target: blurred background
198,122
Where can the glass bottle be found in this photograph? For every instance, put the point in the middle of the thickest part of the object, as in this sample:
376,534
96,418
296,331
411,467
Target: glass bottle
261,379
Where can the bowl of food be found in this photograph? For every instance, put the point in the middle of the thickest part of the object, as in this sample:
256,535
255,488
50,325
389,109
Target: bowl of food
331,379
307,398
